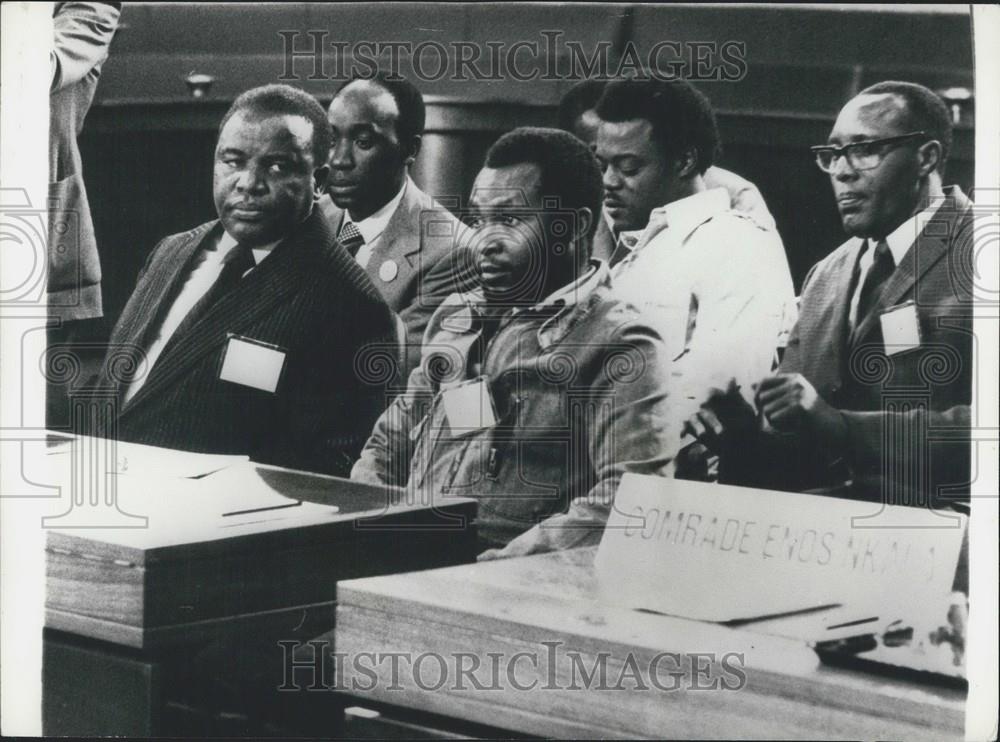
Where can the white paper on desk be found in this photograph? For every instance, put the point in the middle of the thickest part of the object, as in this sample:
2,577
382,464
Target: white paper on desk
134,459
238,494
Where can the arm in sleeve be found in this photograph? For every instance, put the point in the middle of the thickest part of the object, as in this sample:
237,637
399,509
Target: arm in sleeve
744,196
452,273
82,34
738,313
869,432
385,458
338,391
629,432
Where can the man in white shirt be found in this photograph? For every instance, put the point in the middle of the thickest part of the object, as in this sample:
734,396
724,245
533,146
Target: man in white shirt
395,231
578,116
714,281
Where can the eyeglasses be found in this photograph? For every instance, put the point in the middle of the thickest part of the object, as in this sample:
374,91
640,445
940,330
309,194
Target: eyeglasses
860,155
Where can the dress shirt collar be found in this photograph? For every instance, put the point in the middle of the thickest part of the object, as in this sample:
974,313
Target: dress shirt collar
373,226
902,237
227,242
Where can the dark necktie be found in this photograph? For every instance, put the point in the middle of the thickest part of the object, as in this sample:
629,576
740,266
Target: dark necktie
351,238
882,267
236,262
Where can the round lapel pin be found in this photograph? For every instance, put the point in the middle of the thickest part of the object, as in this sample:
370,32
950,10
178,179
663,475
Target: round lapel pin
388,270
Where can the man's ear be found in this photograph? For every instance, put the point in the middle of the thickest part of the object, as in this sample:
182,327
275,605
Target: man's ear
320,176
687,163
930,157
414,149
584,218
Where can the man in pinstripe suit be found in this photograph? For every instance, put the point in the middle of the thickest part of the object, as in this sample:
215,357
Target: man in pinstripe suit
250,326
875,387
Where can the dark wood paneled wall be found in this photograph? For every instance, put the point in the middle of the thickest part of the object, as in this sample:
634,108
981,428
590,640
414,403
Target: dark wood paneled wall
147,146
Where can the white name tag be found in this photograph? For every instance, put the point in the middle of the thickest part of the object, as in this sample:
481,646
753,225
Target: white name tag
469,406
252,363
900,328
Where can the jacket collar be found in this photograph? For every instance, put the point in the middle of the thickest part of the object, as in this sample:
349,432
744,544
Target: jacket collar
928,248
563,308
398,229
372,227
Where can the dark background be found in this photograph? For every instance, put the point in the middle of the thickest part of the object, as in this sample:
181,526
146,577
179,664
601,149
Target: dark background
147,145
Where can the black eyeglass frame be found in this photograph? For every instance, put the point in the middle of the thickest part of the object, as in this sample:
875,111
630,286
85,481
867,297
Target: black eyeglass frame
844,151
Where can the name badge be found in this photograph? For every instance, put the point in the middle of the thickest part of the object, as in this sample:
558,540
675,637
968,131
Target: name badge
900,328
252,363
468,406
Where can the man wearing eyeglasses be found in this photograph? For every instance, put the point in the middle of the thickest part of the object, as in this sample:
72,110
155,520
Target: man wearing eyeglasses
875,386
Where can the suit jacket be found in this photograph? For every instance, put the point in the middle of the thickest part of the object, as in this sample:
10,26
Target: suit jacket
82,35
907,413
309,298
418,237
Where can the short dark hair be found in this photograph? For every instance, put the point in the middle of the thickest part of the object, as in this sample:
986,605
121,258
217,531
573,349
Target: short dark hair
569,169
278,100
578,100
409,101
925,111
681,116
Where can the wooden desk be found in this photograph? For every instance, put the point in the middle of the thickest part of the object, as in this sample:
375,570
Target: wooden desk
174,628
548,604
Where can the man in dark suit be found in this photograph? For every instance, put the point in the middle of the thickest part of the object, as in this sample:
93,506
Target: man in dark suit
875,386
395,231
251,325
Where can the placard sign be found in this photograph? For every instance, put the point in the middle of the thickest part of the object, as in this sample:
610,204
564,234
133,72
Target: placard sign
721,553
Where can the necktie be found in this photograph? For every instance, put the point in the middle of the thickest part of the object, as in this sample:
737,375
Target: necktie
237,262
882,267
351,238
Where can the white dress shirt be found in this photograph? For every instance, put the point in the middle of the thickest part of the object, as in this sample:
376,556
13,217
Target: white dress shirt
899,242
208,266
716,284
373,226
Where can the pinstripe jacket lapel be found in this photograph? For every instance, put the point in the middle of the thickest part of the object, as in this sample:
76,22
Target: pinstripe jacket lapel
156,290
264,288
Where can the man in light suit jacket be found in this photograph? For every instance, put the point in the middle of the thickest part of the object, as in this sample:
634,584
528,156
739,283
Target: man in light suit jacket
253,327
876,383
82,35
395,231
